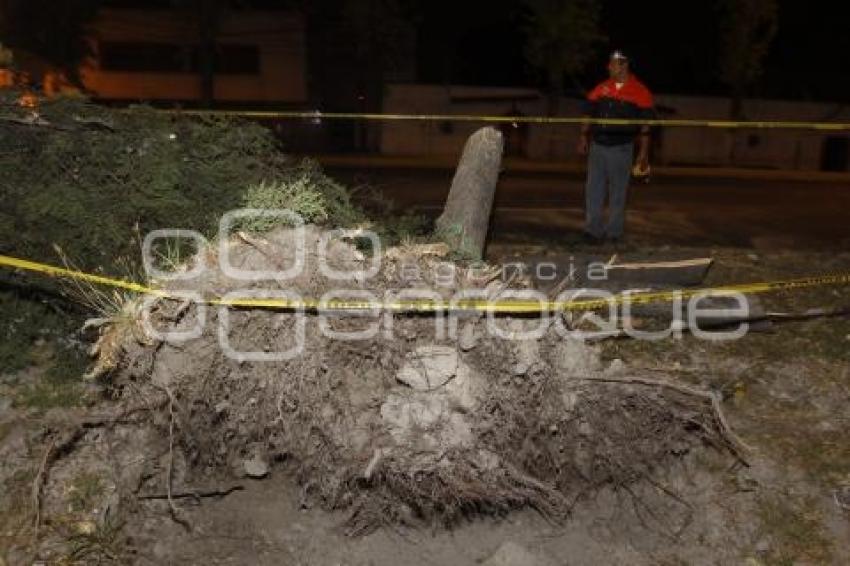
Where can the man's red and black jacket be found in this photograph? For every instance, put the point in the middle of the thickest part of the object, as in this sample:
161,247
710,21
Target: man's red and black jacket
631,101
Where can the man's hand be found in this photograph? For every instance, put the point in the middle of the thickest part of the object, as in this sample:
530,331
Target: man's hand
583,145
642,161
640,170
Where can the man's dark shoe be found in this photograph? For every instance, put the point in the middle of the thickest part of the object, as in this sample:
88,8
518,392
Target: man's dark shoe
618,243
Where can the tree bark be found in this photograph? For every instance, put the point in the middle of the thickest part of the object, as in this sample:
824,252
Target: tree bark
466,216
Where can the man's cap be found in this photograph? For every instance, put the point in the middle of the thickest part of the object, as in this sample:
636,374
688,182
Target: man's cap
617,54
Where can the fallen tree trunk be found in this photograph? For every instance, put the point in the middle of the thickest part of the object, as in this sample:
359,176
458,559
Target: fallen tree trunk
466,216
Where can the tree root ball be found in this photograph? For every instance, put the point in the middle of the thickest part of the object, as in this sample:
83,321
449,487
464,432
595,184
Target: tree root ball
405,426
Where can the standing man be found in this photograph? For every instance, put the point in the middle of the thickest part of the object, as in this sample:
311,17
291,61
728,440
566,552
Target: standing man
610,148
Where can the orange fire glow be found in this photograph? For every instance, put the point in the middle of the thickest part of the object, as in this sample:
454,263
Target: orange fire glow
28,100
7,78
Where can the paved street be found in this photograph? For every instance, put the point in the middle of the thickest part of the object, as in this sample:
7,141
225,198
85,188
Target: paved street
687,210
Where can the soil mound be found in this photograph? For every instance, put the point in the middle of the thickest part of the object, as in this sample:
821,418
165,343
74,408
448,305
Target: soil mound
422,419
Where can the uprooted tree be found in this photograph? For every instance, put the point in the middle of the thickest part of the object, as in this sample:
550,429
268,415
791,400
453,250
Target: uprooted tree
411,420
393,417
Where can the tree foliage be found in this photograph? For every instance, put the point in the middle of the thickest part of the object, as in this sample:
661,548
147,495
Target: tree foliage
748,28
93,175
563,37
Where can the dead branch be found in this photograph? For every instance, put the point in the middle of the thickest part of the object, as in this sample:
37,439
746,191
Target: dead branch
261,245
37,485
61,444
33,120
676,497
196,494
373,463
175,513
563,284
94,123
737,446
109,420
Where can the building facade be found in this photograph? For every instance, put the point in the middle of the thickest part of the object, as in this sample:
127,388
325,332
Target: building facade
154,55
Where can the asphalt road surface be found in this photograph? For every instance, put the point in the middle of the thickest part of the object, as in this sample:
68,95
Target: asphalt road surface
540,207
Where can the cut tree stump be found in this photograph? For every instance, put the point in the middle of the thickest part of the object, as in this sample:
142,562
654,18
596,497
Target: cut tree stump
466,216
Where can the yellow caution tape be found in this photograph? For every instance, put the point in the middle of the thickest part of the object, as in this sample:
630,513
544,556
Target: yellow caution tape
509,306
53,271
725,124
575,120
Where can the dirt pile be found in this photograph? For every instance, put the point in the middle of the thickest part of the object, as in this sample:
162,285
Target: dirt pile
421,419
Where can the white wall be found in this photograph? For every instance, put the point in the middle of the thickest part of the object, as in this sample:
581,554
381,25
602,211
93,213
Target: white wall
772,149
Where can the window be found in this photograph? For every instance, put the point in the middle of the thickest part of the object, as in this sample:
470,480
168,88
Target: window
147,57
143,57
237,60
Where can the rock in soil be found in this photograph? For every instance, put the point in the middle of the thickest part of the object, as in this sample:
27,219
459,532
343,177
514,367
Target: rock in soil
513,554
256,468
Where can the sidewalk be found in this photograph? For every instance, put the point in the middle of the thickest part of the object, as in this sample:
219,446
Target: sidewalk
519,165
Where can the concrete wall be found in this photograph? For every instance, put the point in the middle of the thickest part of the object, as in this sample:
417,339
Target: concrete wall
771,149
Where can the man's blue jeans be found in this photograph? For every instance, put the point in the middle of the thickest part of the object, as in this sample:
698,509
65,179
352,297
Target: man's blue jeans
609,170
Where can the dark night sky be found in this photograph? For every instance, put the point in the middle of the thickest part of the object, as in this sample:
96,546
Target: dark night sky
673,44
